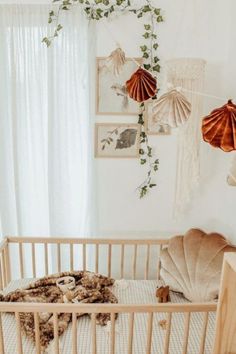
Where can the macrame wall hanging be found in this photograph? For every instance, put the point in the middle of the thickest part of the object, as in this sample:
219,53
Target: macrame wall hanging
188,74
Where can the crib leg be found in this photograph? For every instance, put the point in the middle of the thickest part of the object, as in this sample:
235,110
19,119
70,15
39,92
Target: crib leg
225,339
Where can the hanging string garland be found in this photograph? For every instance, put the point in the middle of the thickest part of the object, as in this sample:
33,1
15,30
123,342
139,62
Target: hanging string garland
141,86
219,127
172,108
100,9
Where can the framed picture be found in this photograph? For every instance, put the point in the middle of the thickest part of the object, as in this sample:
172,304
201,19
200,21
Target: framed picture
117,140
152,125
111,95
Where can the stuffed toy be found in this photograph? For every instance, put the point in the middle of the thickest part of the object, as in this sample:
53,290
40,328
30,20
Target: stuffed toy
163,294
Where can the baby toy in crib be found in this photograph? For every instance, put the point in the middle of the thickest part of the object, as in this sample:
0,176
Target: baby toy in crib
163,294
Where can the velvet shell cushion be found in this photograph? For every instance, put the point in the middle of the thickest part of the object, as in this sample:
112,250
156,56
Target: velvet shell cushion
191,264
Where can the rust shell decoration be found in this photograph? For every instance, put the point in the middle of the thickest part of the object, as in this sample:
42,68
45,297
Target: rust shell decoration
219,127
141,86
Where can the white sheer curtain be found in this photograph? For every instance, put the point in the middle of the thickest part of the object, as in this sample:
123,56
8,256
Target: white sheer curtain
45,124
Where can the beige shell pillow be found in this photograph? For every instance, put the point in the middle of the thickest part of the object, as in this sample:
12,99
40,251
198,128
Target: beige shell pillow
191,264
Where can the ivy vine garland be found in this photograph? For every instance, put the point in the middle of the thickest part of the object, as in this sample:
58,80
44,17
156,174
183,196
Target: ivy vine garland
98,9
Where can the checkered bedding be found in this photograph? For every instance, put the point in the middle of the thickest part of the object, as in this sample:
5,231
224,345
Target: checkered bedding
134,292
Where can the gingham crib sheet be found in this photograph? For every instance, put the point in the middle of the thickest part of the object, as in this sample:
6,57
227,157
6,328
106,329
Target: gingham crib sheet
134,292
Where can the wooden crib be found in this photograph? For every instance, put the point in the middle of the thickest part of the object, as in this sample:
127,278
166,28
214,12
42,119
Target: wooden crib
129,262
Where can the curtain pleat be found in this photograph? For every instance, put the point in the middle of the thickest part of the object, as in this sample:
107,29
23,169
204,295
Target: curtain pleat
45,124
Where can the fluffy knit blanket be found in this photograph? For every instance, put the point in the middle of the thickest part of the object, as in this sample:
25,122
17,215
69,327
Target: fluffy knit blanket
89,288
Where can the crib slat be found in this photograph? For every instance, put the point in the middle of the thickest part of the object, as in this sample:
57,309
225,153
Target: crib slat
1,336
4,267
7,263
135,261
122,261
147,262
97,258
37,333
1,276
33,259
159,249
59,257
112,350
55,330
94,340
131,329
74,333
109,259
46,258
21,260
18,332
4,278
84,256
204,329
71,257
149,333
168,330
186,332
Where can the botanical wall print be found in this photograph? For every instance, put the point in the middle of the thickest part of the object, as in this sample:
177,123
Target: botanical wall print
112,84
152,124
117,140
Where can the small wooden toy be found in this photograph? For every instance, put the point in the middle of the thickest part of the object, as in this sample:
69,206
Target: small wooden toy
163,294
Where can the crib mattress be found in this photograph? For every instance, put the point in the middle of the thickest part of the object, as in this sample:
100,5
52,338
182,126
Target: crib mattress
130,292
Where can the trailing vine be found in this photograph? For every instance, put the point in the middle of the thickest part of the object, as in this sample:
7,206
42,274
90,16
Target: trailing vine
98,9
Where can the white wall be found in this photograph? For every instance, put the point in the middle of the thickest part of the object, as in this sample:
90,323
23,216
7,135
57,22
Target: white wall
191,29
205,29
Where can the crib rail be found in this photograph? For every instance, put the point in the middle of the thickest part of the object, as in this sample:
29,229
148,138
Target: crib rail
90,253
93,309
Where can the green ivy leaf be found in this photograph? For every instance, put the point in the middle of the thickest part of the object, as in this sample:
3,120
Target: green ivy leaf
145,55
155,46
143,161
160,19
146,8
156,68
143,48
147,27
147,66
157,11
146,35
156,59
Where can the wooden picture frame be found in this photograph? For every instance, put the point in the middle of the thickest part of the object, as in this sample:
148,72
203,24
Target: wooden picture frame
152,127
110,91
117,140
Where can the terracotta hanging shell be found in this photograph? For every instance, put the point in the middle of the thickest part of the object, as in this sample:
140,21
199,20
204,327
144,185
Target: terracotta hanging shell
219,127
172,108
141,86
116,61
191,264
